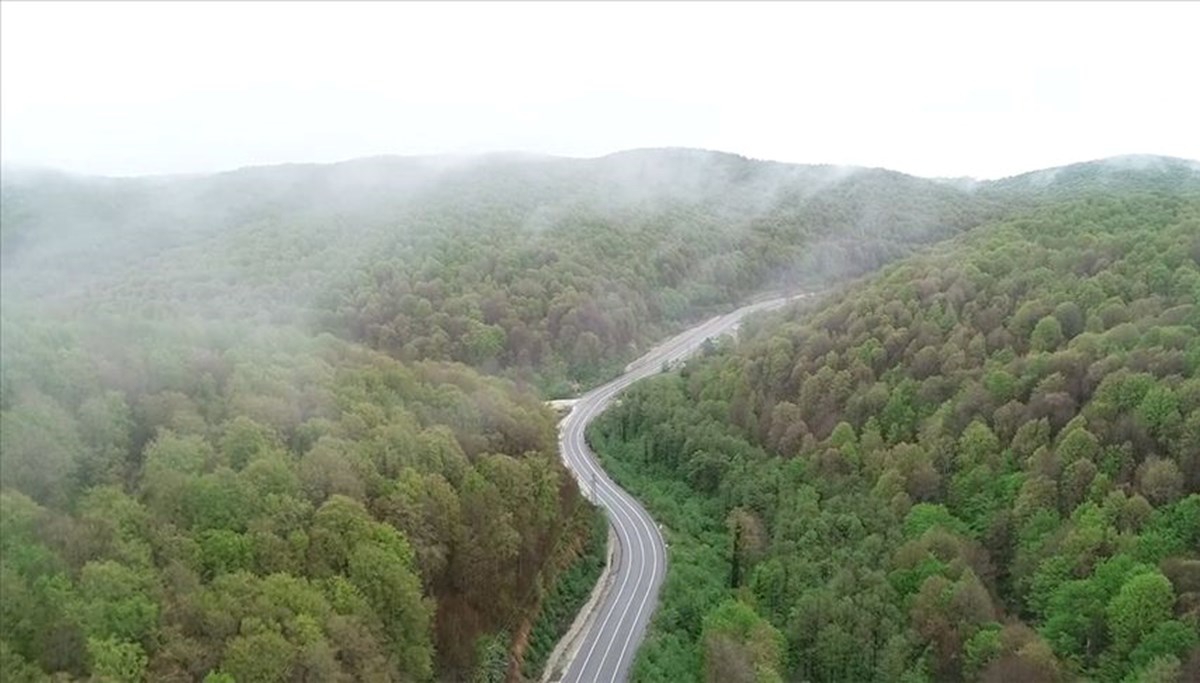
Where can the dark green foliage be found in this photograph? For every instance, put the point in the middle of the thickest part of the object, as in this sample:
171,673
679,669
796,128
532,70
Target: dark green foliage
279,506
569,593
972,466
550,270
200,483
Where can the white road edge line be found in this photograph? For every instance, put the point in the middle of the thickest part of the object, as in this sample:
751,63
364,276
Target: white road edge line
621,504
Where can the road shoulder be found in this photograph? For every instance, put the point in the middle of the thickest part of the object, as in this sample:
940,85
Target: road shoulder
564,653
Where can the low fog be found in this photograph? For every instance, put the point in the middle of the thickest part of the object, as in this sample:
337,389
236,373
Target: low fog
280,243
285,290
976,90
504,176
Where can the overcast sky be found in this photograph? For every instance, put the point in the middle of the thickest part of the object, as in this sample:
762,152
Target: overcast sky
942,89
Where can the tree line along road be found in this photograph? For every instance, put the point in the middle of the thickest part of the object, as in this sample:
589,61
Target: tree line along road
616,626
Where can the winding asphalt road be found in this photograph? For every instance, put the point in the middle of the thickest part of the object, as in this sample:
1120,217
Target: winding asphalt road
610,641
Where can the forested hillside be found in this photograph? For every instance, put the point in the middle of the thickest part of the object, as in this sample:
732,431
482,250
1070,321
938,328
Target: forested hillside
239,437
179,435
265,505
550,270
569,287
545,269
983,464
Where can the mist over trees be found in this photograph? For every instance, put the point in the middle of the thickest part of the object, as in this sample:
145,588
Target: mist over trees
547,270
982,464
264,505
286,423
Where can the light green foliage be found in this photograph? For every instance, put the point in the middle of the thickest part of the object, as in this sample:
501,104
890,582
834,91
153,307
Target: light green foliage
262,657
214,516
222,550
1078,444
550,269
1170,638
983,647
925,516
1001,384
243,440
1036,479
734,636
1142,604
394,592
1075,619
117,601
1159,410
205,472
491,659
978,445
1047,335
116,660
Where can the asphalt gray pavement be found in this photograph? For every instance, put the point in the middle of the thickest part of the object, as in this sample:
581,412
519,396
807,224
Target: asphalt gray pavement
611,639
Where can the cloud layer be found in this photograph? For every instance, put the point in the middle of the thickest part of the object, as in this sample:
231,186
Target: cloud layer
976,89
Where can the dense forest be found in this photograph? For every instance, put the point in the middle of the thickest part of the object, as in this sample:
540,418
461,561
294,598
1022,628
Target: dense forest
265,506
546,270
286,423
982,464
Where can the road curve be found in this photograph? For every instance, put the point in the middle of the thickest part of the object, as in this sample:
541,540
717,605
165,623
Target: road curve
610,640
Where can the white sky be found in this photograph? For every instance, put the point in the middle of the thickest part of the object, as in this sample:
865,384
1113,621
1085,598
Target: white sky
932,89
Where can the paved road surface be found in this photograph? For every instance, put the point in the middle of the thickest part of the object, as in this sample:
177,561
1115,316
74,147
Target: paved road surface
611,640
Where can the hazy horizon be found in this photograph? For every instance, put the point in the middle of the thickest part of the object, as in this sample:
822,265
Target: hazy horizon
28,167
977,90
